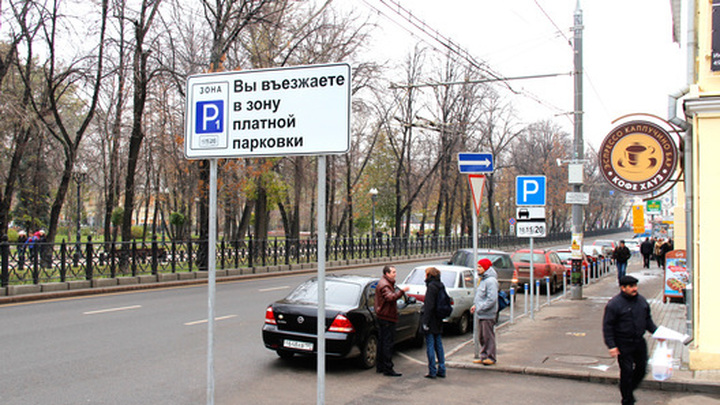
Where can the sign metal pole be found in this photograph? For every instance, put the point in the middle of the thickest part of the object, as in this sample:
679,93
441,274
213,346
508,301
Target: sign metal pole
322,167
212,237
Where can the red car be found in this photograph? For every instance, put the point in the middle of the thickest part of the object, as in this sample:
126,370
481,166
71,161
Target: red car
546,264
565,257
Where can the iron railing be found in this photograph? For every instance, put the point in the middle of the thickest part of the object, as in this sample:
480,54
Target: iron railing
61,262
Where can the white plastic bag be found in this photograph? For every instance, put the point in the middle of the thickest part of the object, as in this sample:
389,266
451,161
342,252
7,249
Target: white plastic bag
661,362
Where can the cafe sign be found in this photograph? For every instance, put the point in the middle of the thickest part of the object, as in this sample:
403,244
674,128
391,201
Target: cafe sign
638,157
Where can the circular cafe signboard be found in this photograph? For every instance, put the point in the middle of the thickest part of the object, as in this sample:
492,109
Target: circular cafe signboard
638,157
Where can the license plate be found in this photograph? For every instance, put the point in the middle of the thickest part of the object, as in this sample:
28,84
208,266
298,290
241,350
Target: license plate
294,344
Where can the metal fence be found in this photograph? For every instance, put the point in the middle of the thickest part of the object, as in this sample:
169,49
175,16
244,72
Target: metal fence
60,262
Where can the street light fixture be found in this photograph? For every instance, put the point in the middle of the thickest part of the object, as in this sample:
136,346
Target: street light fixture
373,195
79,175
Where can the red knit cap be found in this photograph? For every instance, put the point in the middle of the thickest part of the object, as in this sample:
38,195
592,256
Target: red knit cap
485,263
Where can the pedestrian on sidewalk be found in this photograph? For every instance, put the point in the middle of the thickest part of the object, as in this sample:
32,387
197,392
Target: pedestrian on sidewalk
386,297
485,309
621,254
646,249
432,324
627,317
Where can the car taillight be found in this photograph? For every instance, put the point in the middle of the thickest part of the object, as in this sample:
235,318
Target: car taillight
515,276
270,316
341,324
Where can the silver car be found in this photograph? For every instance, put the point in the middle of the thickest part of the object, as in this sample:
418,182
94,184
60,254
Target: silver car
458,282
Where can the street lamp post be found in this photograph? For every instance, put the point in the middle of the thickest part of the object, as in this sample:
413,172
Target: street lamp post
79,175
373,195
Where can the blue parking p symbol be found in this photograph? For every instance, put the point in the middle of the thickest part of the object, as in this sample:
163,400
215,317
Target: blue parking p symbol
530,190
209,117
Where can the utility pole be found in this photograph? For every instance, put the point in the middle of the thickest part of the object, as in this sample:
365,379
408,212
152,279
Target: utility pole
578,155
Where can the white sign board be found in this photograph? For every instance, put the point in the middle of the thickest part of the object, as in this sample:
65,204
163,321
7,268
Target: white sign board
577,198
530,214
301,110
531,229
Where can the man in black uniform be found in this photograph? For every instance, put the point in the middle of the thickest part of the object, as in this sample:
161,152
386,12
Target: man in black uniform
627,317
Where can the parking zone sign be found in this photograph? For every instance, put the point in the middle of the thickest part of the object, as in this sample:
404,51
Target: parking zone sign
530,190
301,110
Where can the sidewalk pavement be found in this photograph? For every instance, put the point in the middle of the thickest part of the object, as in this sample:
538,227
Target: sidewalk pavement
564,339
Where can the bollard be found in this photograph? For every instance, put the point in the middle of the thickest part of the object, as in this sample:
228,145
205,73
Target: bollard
565,276
526,297
512,304
547,289
537,294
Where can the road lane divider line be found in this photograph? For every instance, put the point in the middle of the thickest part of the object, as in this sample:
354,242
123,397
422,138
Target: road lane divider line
285,287
218,318
105,311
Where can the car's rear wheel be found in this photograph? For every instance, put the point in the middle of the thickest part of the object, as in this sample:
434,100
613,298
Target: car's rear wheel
462,326
368,351
285,355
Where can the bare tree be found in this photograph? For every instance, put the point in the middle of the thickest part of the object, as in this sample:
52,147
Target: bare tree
58,87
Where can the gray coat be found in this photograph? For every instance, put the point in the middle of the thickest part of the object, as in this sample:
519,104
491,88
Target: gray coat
486,305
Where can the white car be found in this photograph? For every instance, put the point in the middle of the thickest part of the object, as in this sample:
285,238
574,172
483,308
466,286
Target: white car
458,282
633,245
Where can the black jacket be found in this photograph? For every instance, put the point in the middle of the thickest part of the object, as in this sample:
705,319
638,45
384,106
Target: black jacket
647,247
626,320
622,254
429,318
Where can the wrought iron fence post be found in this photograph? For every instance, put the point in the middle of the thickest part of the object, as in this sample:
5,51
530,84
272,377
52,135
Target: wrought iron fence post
133,257
275,252
63,265
154,258
222,254
5,252
250,253
173,251
89,259
189,252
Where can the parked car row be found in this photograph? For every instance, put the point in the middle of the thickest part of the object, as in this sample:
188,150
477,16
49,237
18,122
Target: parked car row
351,325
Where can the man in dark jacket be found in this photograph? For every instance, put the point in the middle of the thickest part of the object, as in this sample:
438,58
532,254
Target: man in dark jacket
646,249
621,254
432,324
386,310
627,317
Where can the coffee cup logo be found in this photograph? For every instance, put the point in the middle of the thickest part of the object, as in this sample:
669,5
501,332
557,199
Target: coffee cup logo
638,157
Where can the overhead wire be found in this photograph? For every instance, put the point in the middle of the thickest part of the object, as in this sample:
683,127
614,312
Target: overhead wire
448,44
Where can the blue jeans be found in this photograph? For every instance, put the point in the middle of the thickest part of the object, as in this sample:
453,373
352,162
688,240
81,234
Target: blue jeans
434,345
622,268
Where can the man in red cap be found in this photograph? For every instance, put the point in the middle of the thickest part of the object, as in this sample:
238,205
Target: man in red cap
485,309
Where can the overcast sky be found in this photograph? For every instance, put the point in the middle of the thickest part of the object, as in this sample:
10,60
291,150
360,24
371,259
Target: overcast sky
630,60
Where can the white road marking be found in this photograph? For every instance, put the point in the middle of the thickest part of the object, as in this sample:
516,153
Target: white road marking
218,318
104,311
285,287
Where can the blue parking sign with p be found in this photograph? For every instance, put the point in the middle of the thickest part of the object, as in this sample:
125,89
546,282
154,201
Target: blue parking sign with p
209,116
530,190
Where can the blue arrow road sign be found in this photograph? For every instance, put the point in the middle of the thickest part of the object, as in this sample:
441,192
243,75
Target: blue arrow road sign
475,163
530,190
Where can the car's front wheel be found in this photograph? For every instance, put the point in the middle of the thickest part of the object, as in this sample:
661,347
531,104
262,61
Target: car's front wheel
368,351
462,326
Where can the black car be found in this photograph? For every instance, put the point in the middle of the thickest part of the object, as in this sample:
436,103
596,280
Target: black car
350,322
501,261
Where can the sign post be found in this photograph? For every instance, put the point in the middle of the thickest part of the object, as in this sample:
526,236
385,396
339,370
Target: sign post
531,197
475,165
302,110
